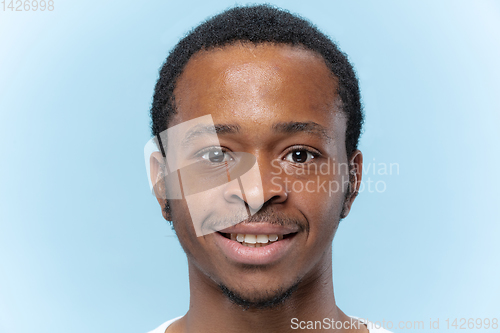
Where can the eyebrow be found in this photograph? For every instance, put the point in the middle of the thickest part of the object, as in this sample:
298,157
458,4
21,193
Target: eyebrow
309,127
203,129
292,127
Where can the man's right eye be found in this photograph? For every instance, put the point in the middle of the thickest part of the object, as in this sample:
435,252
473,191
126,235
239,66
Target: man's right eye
216,155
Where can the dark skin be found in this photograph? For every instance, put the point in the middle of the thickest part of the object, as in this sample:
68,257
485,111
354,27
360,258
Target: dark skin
254,88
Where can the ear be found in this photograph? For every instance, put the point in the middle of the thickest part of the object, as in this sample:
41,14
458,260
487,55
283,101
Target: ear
355,173
157,174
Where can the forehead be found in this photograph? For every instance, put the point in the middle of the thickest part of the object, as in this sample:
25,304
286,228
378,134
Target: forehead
263,82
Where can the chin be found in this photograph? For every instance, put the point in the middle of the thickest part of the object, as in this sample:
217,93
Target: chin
259,299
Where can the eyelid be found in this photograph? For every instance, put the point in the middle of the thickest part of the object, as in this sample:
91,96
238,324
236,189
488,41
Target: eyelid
316,153
205,150
302,147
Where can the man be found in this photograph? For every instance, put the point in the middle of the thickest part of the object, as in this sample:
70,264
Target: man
257,116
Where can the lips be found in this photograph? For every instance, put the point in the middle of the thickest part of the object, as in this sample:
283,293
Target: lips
256,243
260,228
254,240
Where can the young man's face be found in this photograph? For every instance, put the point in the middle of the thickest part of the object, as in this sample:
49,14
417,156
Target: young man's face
282,101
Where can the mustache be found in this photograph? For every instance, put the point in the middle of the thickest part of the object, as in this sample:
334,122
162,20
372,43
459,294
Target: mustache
267,214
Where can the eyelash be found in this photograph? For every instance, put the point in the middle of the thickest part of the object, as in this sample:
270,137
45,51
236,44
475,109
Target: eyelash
210,149
315,154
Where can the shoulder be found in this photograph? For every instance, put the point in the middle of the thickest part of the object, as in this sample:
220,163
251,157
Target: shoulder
163,327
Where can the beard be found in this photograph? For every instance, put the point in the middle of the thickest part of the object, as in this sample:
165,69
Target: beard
261,299
271,300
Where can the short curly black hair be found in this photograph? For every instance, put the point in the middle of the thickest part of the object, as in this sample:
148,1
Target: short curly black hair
258,24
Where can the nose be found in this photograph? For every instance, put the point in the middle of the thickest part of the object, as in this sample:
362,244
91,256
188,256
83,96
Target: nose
257,186
273,185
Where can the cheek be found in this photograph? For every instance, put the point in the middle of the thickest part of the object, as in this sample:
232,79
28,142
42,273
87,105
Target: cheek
318,193
320,199
183,226
323,214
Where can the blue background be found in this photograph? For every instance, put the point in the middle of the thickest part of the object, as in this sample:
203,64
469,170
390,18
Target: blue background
83,245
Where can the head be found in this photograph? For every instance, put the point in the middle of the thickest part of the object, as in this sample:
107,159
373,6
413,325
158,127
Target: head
282,91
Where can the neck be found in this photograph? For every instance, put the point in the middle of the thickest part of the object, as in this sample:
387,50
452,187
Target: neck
313,300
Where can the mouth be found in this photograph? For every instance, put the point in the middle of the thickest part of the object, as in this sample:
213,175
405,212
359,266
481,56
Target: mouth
257,243
256,240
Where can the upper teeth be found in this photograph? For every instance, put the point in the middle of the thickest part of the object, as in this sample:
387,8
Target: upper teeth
252,239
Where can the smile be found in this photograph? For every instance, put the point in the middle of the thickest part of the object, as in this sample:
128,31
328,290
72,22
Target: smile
257,243
259,240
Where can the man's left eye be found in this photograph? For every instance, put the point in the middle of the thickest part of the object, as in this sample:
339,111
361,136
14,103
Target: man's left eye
300,156
216,155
